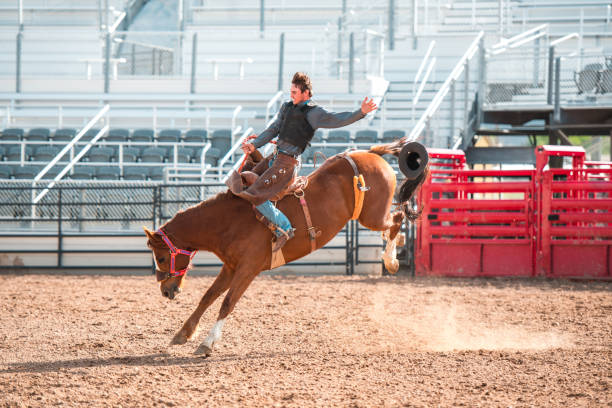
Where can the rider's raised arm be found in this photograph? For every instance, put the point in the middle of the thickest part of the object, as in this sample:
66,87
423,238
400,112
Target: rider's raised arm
271,131
321,118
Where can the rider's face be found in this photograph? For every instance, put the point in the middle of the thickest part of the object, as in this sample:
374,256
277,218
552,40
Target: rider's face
297,96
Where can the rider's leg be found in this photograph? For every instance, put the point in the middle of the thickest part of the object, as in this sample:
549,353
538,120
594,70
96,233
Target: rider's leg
276,217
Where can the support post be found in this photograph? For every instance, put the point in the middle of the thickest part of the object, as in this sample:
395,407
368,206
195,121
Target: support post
261,18
18,62
466,90
281,61
194,56
391,29
557,107
451,115
414,24
551,64
536,63
60,238
482,83
107,70
339,55
351,63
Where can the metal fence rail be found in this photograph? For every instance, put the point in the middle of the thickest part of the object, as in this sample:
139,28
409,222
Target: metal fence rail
74,218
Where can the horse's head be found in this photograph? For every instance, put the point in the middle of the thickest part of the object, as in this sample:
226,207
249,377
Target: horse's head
171,263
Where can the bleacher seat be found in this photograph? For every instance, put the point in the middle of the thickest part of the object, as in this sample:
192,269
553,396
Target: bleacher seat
118,135
26,172
90,134
130,154
156,173
108,173
14,153
183,154
12,134
212,156
392,135
135,173
366,136
391,159
318,137
3,149
101,154
82,173
169,136
339,136
222,139
6,171
587,80
153,155
307,154
195,136
41,134
45,153
64,135
143,135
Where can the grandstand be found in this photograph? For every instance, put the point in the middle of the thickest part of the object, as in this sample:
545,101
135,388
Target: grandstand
127,92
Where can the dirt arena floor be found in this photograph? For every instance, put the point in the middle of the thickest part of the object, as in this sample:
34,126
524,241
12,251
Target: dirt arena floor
308,341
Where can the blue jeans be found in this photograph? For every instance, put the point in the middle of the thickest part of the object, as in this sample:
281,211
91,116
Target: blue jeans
275,216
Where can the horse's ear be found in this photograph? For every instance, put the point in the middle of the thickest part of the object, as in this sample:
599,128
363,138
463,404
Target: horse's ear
150,234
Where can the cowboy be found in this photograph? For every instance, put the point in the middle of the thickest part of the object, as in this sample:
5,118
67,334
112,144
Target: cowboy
295,126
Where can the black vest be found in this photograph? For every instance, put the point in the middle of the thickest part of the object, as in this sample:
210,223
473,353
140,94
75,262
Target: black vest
295,129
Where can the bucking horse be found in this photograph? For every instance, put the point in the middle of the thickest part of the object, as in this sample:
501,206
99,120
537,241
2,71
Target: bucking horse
355,184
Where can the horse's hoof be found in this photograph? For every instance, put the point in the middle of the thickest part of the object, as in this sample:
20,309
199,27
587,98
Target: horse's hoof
179,338
393,268
401,239
203,350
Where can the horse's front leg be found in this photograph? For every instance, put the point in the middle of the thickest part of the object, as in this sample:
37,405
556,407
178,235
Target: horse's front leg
240,283
220,285
393,237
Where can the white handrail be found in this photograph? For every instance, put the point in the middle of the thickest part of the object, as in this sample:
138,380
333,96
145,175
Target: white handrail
235,116
117,22
271,103
437,100
564,38
506,42
79,135
230,153
70,165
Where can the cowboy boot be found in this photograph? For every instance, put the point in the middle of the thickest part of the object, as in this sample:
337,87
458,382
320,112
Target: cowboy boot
281,238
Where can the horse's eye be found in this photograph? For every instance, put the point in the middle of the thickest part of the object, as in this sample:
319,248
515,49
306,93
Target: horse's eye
160,260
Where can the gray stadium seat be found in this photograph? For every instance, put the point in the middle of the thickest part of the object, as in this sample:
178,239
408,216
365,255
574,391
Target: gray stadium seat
222,139
135,173
143,135
45,153
195,136
12,134
153,155
392,135
605,81
339,136
169,136
156,173
307,156
41,134
6,171
183,154
118,135
212,156
108,173
366,136
100,154
82,173
130,154
587,80
64,135
318,137
90,134
26,172
14,153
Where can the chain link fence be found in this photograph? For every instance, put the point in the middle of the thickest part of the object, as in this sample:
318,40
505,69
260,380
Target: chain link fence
586,77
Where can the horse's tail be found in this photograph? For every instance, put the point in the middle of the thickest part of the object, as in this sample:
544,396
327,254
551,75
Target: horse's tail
413,163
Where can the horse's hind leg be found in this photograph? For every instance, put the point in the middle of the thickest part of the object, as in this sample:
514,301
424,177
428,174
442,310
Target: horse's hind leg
239,284
393,238
220,285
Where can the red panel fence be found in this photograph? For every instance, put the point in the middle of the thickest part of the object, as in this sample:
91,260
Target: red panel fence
553,222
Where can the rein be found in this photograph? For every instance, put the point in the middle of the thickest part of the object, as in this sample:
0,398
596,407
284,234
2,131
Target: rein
173,252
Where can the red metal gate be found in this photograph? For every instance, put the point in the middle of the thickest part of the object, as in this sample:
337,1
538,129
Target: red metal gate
515,222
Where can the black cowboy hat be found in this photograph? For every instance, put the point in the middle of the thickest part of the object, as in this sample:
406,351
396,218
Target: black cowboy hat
413,159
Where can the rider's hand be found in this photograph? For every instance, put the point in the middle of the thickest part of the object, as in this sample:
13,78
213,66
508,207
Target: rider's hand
248,148
368,106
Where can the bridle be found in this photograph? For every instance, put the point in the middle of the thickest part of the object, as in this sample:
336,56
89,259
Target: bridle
173,252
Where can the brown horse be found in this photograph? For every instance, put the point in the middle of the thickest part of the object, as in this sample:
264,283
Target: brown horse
226,226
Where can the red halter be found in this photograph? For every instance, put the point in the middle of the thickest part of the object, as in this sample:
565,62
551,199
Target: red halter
173,252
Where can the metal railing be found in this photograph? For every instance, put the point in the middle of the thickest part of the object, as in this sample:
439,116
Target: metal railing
73,213
445,137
